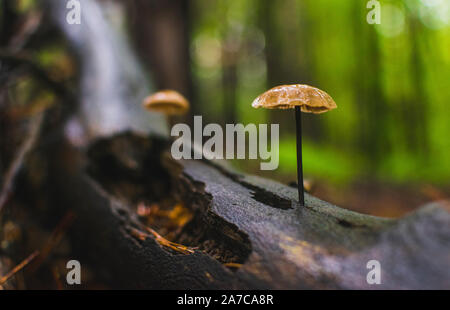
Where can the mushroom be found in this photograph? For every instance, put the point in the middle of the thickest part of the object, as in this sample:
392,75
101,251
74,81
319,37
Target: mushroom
303,98
167,102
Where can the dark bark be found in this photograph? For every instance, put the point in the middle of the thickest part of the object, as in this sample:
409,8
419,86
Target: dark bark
241,219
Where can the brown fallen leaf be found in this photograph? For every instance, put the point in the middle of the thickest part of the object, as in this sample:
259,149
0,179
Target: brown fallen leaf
172,245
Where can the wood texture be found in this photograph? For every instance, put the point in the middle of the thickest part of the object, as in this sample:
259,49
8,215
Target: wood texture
255,221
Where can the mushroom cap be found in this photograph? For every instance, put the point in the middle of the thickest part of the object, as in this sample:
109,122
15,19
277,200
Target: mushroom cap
309,99
168,102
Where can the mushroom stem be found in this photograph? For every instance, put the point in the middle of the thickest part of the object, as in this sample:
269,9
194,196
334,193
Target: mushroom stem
298,132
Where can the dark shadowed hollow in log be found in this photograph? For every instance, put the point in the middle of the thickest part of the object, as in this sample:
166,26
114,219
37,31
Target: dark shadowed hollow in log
130,168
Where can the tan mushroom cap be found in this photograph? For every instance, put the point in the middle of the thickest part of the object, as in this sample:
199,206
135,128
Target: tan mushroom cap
310,99
168,102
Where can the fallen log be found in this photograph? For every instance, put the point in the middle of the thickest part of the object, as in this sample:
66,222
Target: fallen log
245,231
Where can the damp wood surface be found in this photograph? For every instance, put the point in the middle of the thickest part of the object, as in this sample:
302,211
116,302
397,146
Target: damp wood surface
244,232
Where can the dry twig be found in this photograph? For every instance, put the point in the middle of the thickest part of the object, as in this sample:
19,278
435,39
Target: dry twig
19,267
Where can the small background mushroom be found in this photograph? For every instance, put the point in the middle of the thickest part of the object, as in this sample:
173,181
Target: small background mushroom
168,102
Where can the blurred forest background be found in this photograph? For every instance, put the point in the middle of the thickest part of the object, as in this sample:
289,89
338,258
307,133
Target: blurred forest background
387,145
384,151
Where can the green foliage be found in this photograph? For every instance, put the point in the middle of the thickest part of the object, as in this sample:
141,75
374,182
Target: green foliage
390,81
319,161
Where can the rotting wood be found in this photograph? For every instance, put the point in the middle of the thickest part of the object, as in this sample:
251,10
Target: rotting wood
320,246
